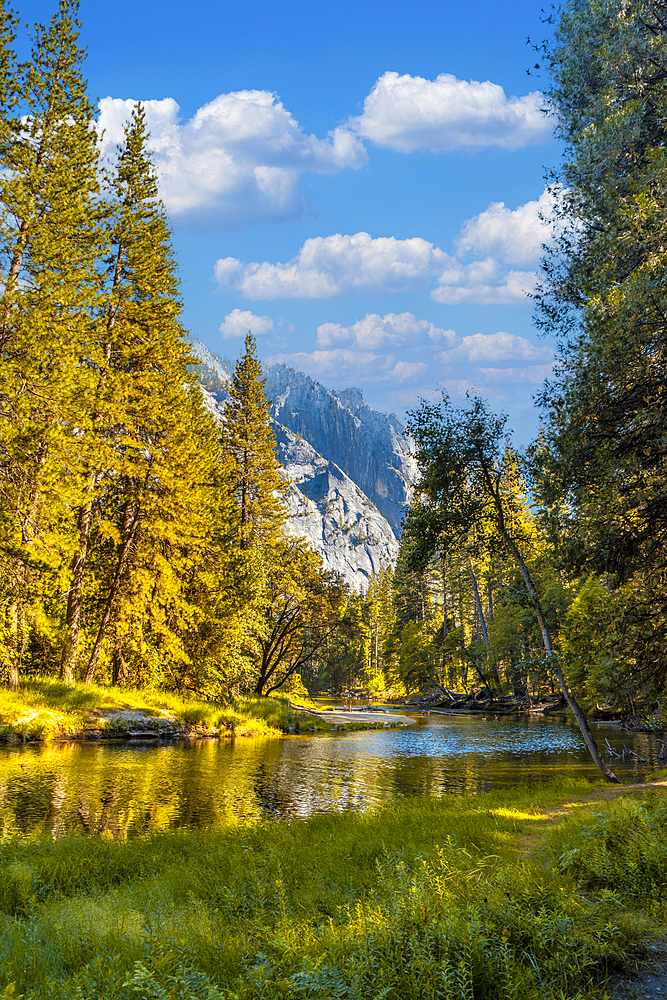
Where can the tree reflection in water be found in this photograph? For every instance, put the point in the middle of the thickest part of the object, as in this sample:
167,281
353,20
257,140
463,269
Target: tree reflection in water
122,789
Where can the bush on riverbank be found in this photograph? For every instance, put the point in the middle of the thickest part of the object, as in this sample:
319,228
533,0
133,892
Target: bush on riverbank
425,898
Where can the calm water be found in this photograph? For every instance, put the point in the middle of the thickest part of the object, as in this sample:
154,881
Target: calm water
120,789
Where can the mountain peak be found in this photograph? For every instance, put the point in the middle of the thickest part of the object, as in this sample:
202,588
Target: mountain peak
350,468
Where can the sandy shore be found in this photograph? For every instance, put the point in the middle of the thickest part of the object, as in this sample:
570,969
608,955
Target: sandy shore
341,718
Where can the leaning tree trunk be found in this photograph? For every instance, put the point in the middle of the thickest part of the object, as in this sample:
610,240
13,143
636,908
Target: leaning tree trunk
575,708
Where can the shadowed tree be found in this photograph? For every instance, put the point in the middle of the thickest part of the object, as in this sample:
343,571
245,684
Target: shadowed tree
467,467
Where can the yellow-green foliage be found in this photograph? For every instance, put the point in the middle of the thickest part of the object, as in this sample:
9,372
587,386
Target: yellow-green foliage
46,708
426,898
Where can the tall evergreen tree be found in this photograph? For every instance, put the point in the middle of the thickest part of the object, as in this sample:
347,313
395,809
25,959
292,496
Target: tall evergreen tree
247,436
50,239
152,447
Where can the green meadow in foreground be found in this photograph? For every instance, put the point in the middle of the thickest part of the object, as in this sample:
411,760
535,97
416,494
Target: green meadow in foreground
535,893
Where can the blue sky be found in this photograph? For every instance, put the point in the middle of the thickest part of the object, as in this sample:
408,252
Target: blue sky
358,183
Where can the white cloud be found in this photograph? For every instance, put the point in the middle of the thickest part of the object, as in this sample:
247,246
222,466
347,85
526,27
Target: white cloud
394,328
501,346
329,265
408,114
332,265
237,160
238,322
532,374
515,237
483,282
343,364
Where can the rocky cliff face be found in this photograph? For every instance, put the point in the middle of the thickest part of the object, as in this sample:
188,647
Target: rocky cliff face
348,510
332,513
371,448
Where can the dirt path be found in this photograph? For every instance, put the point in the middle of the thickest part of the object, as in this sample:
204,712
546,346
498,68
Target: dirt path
648,979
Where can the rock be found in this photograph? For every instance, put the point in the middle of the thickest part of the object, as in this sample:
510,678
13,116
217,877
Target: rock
372,448
333,514
349,468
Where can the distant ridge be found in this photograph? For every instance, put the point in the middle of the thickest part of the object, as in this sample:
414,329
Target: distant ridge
372,448
349,468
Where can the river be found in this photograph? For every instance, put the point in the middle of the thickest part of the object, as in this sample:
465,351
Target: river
120,789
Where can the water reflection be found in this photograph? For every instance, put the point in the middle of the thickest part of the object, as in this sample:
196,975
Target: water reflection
120,789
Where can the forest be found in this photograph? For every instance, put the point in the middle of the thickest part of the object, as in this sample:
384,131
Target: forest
142,543
144,561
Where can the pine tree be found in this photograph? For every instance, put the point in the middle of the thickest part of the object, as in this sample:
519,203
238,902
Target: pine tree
247,436
50,240
158,446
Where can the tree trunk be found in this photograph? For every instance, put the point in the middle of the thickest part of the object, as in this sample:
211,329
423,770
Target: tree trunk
443,563
121,565
575,708
478,604
70,648
14,664
75,596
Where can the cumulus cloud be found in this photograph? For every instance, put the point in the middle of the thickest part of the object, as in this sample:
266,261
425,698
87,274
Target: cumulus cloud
501,346
409,114
237,160
343,364
333,265
329,265
238,322
513,236
394,328
483,282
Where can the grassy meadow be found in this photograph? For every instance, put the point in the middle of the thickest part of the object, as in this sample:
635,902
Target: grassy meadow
46,708
532,894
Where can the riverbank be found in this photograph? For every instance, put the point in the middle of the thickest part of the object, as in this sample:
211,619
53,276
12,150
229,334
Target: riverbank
47,709
546,892
477,702
357,718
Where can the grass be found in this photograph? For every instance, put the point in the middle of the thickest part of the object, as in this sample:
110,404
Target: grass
46,708
424,899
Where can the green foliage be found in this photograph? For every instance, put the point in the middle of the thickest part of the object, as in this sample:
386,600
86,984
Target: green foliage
621,851
140,542
303,607
422,899
600,462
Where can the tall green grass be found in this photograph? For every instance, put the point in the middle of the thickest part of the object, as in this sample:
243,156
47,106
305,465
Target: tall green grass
47,708
621,850
427,899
